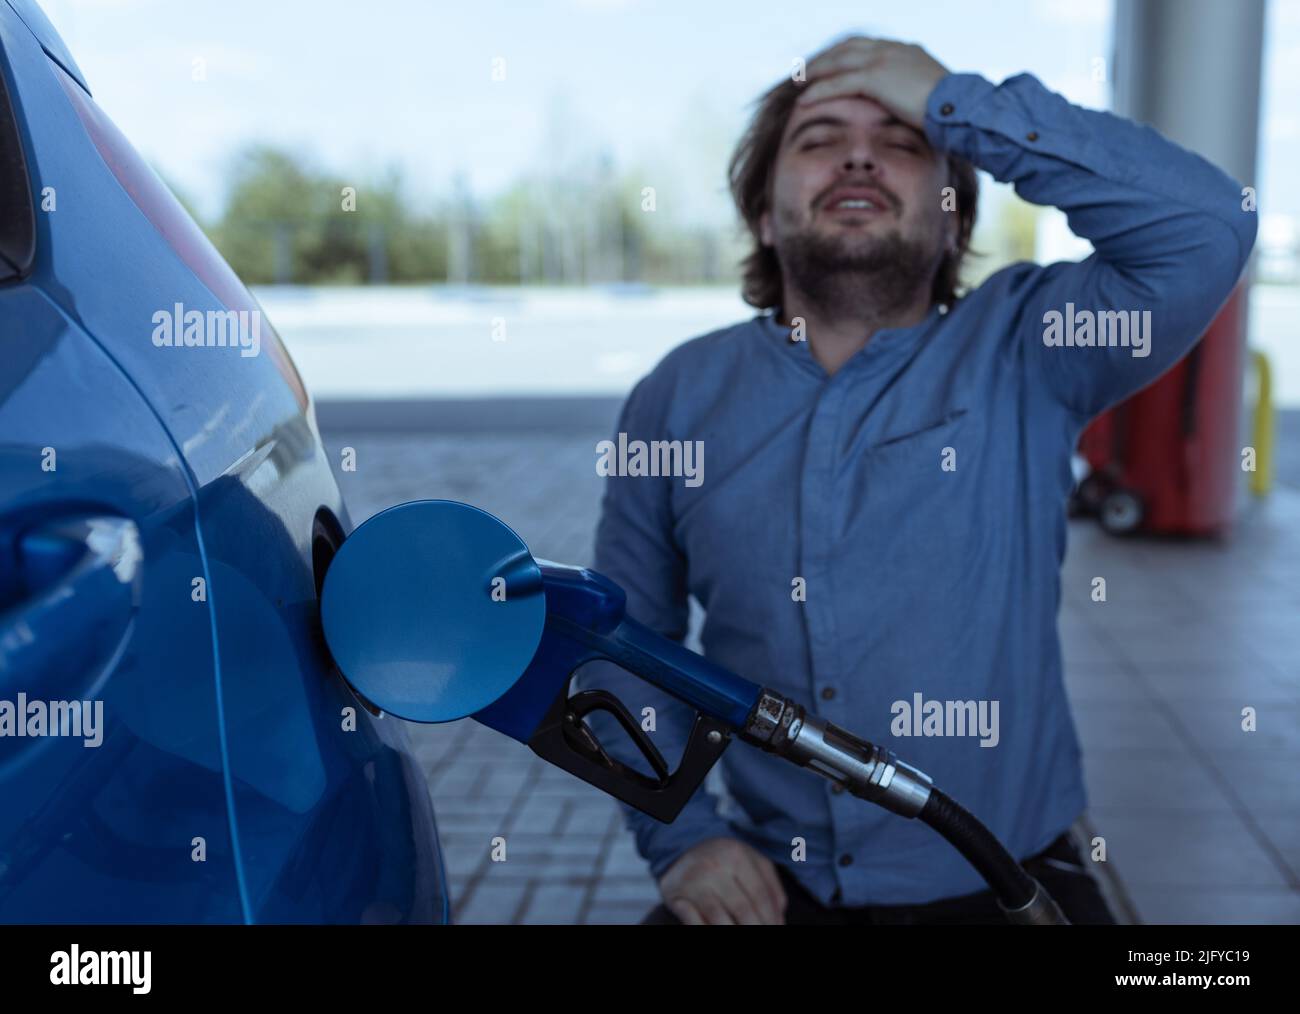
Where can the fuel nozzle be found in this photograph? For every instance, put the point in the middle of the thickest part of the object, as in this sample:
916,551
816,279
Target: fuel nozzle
781,726
435,611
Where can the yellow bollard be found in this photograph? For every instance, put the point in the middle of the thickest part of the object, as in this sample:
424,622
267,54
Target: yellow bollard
1261,479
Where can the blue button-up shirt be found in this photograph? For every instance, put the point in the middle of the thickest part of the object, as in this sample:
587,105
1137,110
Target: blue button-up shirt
919,493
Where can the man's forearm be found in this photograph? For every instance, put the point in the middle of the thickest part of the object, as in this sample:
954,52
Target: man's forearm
1083,161
1169,228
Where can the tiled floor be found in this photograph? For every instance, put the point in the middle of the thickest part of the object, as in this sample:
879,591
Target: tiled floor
1201,819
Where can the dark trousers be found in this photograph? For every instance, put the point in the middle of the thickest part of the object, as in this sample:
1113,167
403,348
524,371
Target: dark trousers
1058,868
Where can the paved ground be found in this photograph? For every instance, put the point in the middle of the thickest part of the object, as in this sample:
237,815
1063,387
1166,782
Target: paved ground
568,859
1201,819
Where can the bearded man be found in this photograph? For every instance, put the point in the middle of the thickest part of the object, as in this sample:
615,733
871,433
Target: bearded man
883,518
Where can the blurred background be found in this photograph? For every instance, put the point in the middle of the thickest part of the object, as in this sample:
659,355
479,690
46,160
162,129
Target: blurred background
500,155
477,225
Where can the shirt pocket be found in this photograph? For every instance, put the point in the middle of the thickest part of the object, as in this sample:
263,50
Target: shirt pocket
931,447
914,490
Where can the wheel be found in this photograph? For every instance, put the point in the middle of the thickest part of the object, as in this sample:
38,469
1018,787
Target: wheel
1090,492
1121,512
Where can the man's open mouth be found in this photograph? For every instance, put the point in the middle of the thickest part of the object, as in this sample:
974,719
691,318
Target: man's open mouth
856,200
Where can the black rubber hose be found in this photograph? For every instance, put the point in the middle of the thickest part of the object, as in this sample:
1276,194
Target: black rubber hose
1010,883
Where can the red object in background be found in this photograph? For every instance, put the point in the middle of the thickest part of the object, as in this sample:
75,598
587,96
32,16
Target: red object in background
1168,460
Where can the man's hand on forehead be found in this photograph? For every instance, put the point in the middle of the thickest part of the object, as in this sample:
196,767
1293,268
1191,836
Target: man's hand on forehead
898,75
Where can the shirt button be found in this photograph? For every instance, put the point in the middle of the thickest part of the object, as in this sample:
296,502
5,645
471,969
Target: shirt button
828,693
1032,136
846,860
945,109
836,788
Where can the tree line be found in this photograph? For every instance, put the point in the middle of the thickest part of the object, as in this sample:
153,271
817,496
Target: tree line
287,221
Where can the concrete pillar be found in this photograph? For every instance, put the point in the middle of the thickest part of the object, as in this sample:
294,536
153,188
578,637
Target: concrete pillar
1191,69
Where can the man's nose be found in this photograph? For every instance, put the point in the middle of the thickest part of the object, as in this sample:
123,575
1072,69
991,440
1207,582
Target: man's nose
860,155
859,150
863,163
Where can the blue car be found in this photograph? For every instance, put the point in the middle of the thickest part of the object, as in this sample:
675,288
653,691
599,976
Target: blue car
175,743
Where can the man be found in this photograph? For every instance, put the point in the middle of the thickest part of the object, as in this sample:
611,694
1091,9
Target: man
881,521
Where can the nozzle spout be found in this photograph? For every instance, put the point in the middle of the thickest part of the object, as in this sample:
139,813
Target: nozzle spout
779,725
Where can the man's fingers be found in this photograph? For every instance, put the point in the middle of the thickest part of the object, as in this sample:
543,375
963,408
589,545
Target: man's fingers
853,44
735,895
756,908
715,910
772,884
847,55
686,912
751,874
723,882
858,82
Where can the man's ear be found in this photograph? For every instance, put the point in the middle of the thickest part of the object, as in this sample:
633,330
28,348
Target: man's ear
765,228
950,236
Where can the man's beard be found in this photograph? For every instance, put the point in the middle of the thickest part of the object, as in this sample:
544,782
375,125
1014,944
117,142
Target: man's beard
862,277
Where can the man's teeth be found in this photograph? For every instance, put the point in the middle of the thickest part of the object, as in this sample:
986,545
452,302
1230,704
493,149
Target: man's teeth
854,203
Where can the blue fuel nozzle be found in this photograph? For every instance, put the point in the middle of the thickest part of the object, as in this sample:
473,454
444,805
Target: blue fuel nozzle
435,610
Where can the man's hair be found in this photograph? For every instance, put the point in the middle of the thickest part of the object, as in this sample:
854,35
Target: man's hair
751,174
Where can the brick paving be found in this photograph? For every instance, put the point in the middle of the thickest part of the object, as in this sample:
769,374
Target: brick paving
1157,676
568,858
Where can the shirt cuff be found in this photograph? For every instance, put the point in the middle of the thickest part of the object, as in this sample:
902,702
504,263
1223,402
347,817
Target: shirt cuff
952,103
976,119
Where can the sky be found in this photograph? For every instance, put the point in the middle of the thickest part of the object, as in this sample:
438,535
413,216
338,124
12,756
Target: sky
664,85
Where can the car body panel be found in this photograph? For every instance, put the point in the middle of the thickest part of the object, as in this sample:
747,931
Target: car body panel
71,842
329,815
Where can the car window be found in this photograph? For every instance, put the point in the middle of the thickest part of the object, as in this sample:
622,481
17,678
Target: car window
17,217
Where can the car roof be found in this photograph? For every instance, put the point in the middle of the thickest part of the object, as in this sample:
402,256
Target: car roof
39,25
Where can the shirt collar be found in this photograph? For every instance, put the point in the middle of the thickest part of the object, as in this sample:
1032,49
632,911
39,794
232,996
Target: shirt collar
884,347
